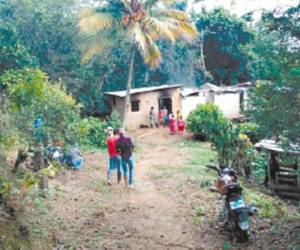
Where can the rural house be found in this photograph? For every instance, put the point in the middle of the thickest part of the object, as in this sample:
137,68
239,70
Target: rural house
231,100
142,99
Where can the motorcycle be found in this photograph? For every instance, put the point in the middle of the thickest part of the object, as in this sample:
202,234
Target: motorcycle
235,211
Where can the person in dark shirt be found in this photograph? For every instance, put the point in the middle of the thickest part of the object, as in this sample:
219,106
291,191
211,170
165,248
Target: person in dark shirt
125,146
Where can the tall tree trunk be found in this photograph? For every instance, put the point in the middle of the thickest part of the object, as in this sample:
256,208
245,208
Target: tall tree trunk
147,76
129,83
202,59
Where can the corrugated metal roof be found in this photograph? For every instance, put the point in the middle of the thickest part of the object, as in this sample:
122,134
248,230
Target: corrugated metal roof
209,86
278,147
142,90
189,91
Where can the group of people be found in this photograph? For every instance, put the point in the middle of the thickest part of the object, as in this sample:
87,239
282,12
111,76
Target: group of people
120,146
167,119
120,149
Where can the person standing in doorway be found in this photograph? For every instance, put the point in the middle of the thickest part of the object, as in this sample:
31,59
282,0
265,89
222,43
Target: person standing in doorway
125,146
153,121
166,117
114,157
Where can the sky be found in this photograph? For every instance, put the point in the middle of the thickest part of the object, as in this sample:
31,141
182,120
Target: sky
240,7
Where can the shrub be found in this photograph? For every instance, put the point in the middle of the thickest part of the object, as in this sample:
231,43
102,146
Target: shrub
202,121
92,131
208,121
114,120
89,131
250,129
31,96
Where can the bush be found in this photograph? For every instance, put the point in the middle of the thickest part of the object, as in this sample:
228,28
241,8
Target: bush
114,120
203,120
31,96
250,129
208,121
92,131
89,132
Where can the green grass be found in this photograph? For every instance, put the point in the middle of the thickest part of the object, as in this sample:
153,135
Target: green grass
99,186
201,154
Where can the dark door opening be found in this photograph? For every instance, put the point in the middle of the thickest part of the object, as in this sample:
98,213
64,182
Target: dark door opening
165,102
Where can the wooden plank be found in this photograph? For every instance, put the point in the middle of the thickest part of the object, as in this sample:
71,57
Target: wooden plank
271,181
287,181
285,187
294,196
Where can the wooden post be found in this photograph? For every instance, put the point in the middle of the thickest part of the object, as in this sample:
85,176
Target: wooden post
269,169
39,164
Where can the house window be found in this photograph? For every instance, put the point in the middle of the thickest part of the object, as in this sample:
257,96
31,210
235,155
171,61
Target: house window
114,100
135,106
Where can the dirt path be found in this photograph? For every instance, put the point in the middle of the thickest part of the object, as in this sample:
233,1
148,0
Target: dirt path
95,216
170,208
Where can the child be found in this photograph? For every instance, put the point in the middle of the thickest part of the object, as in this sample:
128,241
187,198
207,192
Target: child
181,125
172,125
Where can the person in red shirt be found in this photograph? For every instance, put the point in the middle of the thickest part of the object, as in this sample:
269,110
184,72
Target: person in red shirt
181,125
114,157
172,125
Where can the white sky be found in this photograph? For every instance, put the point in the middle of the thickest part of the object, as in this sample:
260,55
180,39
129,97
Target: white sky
240,7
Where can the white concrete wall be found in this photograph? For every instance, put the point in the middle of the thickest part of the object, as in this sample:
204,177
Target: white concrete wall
229,103
189,103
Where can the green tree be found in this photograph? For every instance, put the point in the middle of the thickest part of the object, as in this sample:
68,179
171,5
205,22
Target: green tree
29,95
140,23
13,53
276,60
224,37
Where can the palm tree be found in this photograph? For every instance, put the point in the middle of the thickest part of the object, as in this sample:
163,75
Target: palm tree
142,23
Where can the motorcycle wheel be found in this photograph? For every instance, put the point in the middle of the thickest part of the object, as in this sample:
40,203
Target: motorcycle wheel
243,235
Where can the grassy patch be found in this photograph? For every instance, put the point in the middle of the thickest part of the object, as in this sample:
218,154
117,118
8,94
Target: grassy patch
270,207
201,154
99,186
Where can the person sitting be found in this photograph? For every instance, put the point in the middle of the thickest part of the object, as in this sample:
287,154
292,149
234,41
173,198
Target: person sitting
76,159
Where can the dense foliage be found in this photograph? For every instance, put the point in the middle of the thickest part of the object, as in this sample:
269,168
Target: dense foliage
208,121
224,37
232,143
275,102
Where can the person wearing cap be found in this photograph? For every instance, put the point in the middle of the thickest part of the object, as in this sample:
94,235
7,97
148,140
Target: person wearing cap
114,157
125,146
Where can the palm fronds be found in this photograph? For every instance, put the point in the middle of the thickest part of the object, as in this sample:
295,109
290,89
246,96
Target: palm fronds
158,29
93,21
93,46
144,21
174,14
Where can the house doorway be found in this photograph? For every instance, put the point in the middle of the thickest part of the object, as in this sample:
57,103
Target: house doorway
165,102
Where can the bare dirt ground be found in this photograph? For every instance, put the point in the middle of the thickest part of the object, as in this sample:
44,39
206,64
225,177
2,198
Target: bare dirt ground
98,216
158,214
